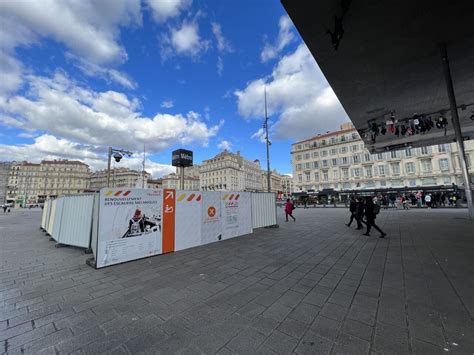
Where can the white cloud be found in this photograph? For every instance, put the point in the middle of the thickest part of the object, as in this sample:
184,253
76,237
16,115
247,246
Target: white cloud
296,91
285,37
49,147
224,145
109,75
183,41
90,28
223,46
10,73
162,10
260,135
167,104
64,109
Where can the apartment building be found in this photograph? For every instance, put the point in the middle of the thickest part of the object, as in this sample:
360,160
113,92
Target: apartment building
287,184
171,181
276,181
4,174
31,183
119,177
154,183
229,171
338,160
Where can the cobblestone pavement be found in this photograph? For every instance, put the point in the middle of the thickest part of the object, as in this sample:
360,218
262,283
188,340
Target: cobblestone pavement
314,286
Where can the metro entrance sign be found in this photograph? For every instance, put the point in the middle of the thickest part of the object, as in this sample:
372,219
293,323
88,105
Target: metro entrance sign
182,158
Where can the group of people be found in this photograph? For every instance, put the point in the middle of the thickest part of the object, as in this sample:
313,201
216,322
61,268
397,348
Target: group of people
361,207
420,199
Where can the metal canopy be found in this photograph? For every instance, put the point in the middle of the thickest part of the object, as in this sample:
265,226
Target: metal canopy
388,60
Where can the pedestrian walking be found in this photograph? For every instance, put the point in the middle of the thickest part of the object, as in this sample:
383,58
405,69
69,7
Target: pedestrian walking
352,210
289,207
428,200
360,212
4,209
371,210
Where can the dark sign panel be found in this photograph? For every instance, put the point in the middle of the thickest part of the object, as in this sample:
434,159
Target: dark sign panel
182,157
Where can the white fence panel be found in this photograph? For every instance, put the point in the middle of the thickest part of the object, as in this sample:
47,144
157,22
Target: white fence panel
45,214
76,221
57,219
52,216
95,224
263,210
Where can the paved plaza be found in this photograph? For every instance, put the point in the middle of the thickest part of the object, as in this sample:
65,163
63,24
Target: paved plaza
314,286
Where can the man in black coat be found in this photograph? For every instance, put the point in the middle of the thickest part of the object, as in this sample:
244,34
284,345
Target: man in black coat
353,211
370,217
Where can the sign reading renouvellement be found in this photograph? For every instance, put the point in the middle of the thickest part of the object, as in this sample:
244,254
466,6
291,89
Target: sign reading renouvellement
182,157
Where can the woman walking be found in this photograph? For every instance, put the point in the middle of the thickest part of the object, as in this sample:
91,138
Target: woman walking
289,207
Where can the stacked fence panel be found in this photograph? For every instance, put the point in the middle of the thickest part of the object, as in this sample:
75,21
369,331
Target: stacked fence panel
76,220
263,210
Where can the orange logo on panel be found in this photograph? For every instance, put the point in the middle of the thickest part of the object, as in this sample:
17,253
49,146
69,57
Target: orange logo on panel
211,211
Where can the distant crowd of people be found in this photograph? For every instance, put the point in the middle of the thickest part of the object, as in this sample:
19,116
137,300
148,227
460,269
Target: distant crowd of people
420,199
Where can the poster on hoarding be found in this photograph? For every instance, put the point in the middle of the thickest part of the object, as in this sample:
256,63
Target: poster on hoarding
236,213
129,225
188,219
211,230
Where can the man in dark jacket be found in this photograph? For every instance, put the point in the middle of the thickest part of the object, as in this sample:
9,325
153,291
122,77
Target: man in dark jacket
370,217
353,211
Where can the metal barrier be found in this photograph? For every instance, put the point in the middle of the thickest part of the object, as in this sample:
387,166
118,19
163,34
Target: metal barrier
264,213
46,214
76,220
52,217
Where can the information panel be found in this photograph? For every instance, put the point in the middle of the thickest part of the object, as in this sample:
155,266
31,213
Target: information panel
236,210
188,219
129,225
211,217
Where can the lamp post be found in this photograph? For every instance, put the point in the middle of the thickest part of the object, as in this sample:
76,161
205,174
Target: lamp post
267,142
118,155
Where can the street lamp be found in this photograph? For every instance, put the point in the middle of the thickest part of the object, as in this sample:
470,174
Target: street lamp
118,154
267,142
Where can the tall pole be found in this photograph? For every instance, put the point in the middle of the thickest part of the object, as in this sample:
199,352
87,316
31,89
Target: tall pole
181,178
143,172
268,144
457,129
108,166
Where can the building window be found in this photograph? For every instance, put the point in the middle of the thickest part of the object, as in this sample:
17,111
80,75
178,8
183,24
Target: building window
355,172
356,159
308,177
343,138
325,176
333,151
343,150
325,163
316,177
393,154
298,166
334,162
410,168
382,170
333,140
443,164
307,165
354,135
426,165
442,148
306,155
315,164
395,168
367,157
345,160
379,156
335,174
315,154
424,150
383,183
368,171
298,157
345,173
408,152
447,180
324,153
412,183
323,142
300,178
354,148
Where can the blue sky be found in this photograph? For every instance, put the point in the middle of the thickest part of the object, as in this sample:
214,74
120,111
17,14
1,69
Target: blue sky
77,77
